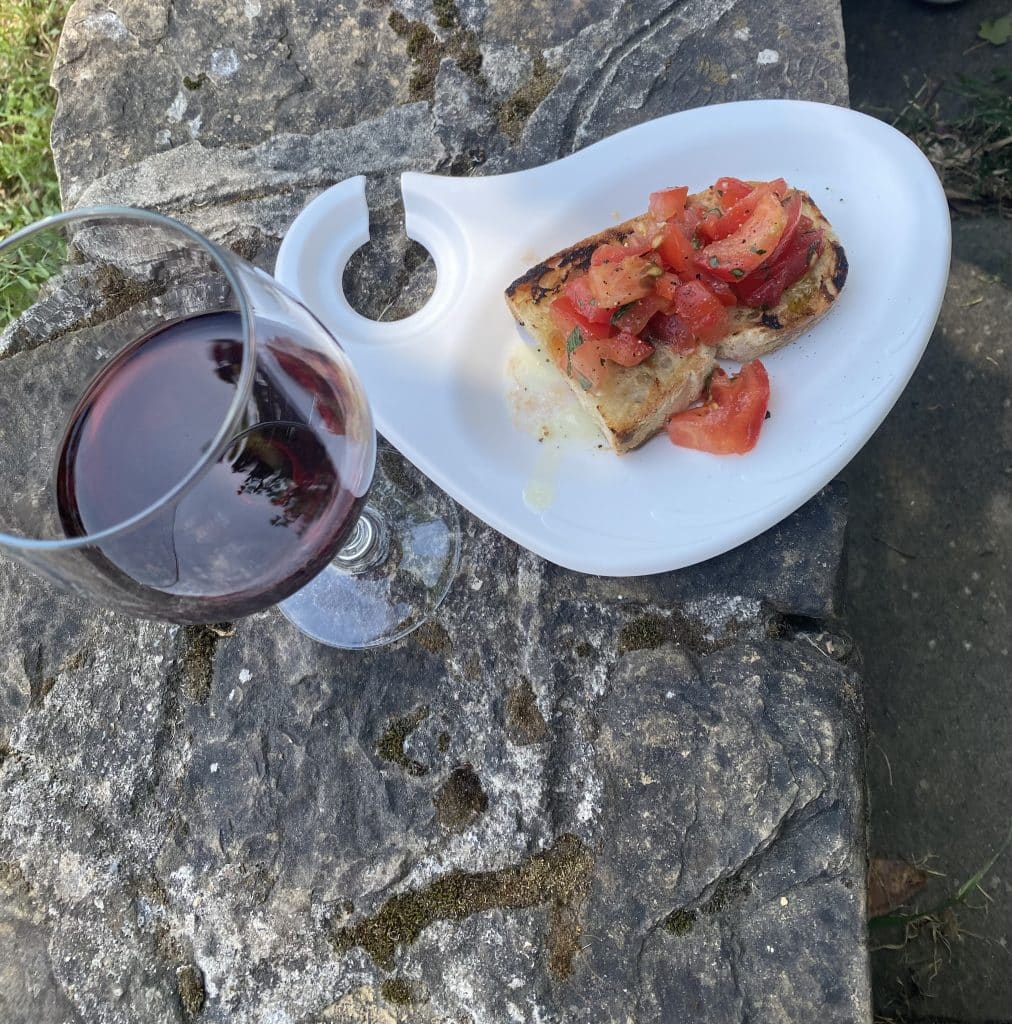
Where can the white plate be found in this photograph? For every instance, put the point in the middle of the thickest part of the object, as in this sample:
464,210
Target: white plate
439,381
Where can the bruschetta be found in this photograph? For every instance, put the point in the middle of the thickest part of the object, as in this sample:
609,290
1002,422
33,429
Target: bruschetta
637,315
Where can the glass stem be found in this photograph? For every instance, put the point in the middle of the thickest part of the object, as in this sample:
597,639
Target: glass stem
367,545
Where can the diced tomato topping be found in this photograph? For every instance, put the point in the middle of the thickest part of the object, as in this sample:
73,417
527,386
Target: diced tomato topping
733,218
691,218
676,249
618,281
577,289
610,252
566,316
706,217
634,317
734,257
766,286
587,359
730,190
792,212
668,203
737,213
626,349
666,286
721,289
731,416
669,329
701,311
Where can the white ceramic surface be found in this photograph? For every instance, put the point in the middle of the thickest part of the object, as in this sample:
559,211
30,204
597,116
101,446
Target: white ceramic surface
440,380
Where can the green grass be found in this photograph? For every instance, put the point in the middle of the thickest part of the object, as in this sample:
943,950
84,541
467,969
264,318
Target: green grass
29,31
971,151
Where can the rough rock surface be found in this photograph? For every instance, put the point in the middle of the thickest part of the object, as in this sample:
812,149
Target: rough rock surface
566,799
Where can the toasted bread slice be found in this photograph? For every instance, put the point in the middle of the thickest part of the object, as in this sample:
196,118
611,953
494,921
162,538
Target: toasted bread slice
635,402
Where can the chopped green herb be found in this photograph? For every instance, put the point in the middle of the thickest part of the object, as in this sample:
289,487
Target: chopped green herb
735,272
584,383
621,312
713,261
696,243
706,386
758,252
573,342
715,210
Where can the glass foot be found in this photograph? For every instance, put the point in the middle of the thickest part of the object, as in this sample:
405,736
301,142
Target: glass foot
393,570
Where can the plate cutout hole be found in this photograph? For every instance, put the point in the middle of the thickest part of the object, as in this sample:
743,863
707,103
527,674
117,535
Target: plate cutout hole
391,276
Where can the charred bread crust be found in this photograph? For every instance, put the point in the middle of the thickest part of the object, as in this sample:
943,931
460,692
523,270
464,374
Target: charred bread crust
637,401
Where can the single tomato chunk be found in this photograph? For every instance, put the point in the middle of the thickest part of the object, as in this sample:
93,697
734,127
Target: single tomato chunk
668,203
670,330
565,315
587,360
725,296
792,215
701,311
691,218
730,190
766,286
616,280
676,250
634,316
665,287
734,257
731,416
626,349
579,348
612,252
700,218
577,290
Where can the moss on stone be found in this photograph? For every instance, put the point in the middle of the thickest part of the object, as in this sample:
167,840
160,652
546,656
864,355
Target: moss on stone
525,725
558,878
679,922
467,54
643,633
190,985
446,13
426,51
390,745
691,633
195,663
514,112
399,992
460,799
433,637
727,892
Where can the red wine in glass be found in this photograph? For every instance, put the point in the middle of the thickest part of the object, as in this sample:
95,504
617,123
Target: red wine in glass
263,519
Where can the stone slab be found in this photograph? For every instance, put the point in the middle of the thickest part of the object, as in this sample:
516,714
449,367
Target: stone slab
566,799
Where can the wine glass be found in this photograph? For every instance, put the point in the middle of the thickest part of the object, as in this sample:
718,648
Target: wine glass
181,439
